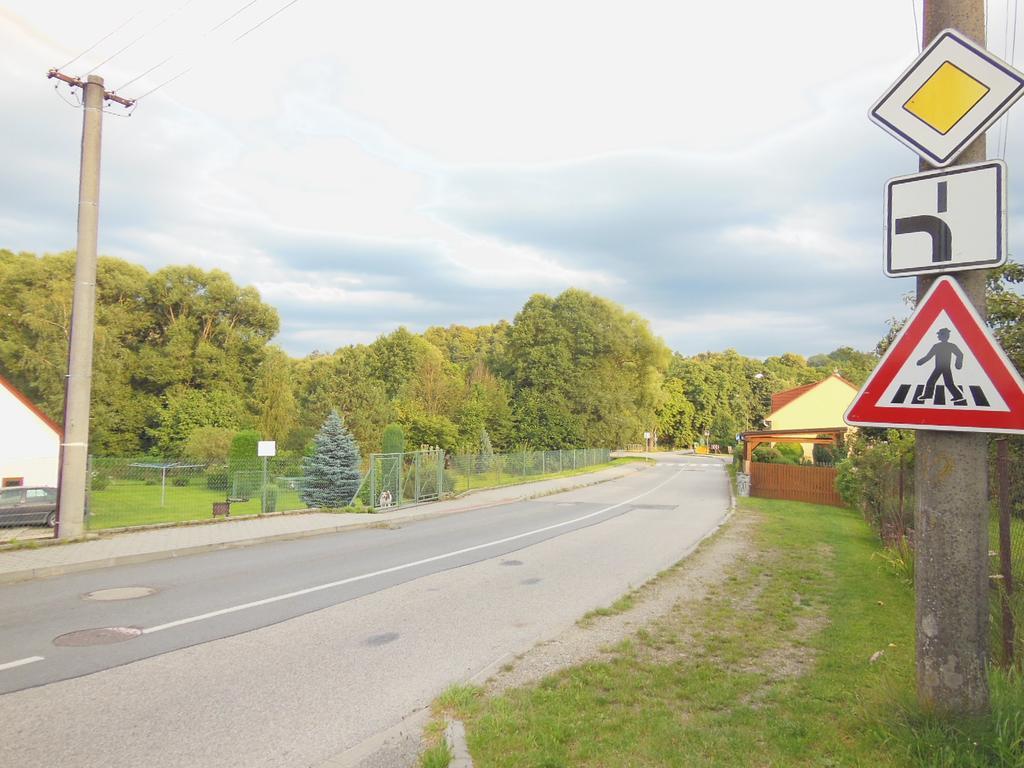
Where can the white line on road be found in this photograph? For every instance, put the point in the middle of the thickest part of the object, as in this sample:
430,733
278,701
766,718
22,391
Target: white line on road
20,662
395,568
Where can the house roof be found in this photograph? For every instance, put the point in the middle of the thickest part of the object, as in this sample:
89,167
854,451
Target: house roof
781,399
18,395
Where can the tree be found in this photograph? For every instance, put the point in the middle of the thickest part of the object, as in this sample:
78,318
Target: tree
185,410
331,472
587,358
675,416
210,444
394,439
273,397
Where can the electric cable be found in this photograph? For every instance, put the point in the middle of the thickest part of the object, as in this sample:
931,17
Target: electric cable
152,29
177,53
103,39
251,29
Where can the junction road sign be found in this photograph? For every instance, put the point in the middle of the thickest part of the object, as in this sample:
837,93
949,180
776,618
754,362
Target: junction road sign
944,371
951,93
944,221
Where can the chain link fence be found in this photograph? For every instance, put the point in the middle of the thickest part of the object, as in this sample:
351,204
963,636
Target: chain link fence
127,492
880,483
472,471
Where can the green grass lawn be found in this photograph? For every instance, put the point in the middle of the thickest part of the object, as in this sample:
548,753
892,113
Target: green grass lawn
771,669
129,503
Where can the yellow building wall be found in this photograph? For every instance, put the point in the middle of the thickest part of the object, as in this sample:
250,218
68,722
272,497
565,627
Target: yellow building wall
822,406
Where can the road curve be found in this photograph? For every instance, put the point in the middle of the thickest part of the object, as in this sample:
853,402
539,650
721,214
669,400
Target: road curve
289,654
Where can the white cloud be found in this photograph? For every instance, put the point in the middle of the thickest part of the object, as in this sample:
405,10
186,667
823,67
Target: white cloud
395,162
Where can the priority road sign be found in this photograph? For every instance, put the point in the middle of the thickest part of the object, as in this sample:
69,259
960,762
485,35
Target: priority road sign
951,93
943,371
946,220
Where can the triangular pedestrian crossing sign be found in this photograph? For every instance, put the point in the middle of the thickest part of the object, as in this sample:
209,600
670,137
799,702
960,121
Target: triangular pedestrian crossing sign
943,371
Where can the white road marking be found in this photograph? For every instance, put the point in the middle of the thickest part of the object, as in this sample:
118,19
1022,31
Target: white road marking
20,662
395,568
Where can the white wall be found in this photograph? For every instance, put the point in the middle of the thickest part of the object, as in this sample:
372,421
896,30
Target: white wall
29,447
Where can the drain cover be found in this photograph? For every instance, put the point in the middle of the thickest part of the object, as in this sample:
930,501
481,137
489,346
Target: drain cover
101,636
387,637
120,593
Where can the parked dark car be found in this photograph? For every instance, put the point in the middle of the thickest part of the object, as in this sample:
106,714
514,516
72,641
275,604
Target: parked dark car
27,505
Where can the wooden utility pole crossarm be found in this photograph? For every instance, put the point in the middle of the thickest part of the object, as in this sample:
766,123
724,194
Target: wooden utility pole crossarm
75,82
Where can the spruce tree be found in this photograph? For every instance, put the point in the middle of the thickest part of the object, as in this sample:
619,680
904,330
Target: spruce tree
332,471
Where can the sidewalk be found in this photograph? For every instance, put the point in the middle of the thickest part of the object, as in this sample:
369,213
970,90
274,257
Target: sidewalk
155,544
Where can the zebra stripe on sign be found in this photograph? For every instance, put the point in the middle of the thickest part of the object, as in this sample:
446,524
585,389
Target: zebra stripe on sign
942,372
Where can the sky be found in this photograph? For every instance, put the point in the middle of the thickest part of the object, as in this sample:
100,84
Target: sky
369,165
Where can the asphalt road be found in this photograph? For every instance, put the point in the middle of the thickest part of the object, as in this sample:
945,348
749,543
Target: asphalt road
291,653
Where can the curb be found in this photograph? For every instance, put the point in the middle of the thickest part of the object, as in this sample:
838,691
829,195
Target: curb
455,737
49,571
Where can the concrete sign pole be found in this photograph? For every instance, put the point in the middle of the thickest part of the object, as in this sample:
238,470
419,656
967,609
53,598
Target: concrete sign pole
951,479
74,449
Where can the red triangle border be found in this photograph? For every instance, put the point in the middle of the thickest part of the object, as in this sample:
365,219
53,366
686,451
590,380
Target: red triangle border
944,295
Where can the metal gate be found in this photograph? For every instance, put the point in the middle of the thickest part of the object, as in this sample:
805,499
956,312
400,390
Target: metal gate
395,479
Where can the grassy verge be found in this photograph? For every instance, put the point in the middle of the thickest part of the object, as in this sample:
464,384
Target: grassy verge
495,479
802,656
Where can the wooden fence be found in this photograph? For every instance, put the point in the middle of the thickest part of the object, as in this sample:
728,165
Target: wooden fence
796,483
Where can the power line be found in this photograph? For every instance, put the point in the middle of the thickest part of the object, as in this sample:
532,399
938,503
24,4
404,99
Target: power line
283,8
177,53
251,29
917,31
1013,56
101,40
153,28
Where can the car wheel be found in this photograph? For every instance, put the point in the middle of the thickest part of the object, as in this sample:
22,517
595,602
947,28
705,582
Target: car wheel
51,520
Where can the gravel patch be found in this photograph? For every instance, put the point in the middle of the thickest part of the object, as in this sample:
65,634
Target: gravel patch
677,589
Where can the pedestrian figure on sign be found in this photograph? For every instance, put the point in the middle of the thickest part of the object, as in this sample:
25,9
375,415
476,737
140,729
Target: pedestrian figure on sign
944,354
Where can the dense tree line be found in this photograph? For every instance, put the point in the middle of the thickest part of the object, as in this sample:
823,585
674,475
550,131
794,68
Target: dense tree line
183,361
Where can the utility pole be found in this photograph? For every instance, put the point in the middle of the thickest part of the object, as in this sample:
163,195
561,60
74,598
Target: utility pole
74,448
951,482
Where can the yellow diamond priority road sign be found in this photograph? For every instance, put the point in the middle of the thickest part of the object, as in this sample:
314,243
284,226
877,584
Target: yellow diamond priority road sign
949,95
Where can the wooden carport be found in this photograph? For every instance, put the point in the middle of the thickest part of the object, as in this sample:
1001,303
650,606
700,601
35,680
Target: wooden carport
817,436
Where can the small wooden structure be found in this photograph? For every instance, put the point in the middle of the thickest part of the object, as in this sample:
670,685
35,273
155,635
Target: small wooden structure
818,436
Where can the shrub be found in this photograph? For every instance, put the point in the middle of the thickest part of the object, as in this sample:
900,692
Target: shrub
181,480
869,480
271,499
99,481
793,453
766,454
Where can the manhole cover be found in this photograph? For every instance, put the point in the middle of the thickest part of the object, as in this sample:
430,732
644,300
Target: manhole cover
511,562
387,637
120,593
101,636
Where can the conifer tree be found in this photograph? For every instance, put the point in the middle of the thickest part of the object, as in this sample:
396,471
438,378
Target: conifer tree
394,439
332,471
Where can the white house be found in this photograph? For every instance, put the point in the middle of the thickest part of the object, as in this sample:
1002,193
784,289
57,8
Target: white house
29,441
